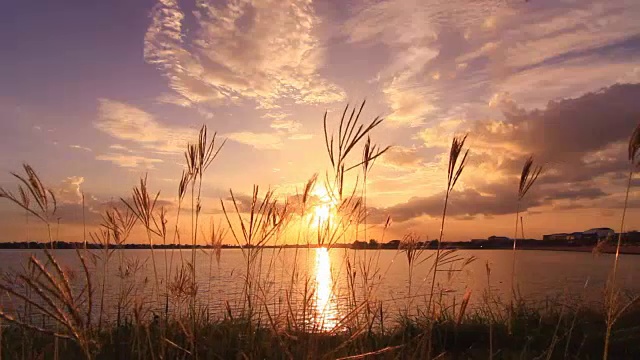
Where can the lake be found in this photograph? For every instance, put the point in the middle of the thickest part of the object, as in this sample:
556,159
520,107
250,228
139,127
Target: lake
315,282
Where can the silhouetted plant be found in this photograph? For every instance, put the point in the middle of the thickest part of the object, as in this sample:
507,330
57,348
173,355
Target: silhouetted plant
612,297
528,177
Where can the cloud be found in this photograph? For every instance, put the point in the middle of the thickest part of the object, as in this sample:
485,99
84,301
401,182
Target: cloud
579,130
290,129
119,147
448,54
129,161
261,50
261,141
494,200
283,130
70,191
580,141
402,157
286,125
409,106
566,30
80,147
126,122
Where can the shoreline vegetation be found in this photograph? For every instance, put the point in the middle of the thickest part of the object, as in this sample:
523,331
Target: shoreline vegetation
52,312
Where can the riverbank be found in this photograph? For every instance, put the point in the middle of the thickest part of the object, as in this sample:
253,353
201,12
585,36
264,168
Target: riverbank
558,331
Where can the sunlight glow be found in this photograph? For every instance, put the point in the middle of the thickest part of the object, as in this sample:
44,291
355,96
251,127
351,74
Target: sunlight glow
324,211
325,302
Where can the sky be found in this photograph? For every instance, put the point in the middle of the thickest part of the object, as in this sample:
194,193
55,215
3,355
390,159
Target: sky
96,94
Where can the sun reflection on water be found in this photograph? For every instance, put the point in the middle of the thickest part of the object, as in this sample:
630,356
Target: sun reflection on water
325,303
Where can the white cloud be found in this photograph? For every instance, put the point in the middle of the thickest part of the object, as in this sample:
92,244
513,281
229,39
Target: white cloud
261,141
262,50
409,105
119,147
79,147
127,122
290,126
70,192
129,161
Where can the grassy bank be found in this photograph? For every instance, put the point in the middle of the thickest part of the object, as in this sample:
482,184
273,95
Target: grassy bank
554,332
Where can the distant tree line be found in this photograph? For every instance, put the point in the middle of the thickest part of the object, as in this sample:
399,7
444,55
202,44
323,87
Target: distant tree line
91,245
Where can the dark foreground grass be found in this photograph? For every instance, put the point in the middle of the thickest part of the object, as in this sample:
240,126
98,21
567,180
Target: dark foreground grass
544,333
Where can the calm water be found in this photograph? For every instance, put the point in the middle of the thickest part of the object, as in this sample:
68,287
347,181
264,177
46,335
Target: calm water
286,277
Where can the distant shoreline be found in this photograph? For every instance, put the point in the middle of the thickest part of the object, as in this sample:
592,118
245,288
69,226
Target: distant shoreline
528,245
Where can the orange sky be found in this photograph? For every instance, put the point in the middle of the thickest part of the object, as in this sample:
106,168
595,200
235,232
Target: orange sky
93,106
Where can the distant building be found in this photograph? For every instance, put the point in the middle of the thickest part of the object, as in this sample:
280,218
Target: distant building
556,237
498,239
631,237
591,236
601,233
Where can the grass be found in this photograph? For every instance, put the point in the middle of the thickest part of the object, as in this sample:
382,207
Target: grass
574,333
60,313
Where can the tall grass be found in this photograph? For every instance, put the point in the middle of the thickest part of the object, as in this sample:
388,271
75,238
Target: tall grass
613,308
280,312
528,177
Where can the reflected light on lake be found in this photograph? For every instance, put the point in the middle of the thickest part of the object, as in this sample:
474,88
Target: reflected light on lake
325,303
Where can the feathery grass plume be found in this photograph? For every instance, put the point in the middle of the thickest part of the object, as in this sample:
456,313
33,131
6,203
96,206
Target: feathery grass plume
31,187
143,206
454,170
528,177
217,234
199,157
308,187
32,191
119,223
490,311
114,231
634,146
53,296
340,145
370,153
103,238
265,219
413,250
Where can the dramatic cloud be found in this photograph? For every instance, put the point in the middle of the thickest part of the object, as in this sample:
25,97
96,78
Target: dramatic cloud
262,50
581,143
448,54
586,130
494,200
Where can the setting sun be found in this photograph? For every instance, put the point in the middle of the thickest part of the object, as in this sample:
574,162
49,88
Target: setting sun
324,209
322,213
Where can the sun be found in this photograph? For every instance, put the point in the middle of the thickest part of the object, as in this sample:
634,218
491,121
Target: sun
324,211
